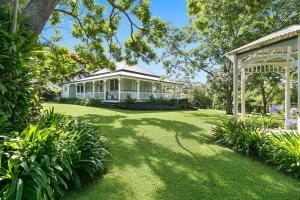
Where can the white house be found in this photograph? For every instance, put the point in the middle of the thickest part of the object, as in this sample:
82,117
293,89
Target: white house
122,83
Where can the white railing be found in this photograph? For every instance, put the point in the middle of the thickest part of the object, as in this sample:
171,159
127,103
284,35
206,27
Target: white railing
129,94
99,95
145,95
165,95
79,95
89,95
112,95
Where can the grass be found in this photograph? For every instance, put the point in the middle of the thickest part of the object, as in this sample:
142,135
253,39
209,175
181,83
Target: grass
169,155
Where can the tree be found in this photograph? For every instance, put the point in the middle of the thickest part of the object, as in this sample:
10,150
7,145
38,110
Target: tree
198,96
266,86
96,25
222,26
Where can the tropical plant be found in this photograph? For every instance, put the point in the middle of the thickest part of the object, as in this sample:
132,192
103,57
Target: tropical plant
18,93
283,150
242,137
45,159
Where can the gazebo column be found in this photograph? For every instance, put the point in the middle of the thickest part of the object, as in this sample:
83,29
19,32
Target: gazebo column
235,87
287,95
243,83
298,83
287,87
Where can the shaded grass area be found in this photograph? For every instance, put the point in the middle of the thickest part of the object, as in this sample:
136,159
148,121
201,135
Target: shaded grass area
169,155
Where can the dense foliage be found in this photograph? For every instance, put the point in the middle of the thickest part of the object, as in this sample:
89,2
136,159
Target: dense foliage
18,93
253,138
47,158
83,102
199,97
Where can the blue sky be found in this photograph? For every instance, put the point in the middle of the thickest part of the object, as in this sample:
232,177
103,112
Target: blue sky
173,11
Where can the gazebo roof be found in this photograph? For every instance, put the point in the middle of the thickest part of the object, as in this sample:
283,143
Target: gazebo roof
277,36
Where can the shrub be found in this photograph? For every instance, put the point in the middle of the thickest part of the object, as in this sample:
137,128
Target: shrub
83,102
18,100
183,103
130,100
283,150
244,138
45,159
199,98
265,122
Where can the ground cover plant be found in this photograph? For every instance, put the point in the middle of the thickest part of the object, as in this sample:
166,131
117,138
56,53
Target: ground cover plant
170,155
45,159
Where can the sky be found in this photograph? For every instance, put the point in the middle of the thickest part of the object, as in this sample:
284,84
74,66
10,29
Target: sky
173,11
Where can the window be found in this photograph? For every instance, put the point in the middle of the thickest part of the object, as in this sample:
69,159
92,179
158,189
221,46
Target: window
114,85
133,86
79,88
65,88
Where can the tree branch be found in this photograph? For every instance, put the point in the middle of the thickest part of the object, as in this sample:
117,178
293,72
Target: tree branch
79,22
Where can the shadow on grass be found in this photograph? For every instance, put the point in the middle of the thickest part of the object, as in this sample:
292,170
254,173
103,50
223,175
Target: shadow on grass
186,161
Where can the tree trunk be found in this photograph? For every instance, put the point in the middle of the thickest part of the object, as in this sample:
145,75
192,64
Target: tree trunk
264,100
229,102
37,13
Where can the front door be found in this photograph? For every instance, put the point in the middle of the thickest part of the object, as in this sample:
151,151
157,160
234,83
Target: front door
113,88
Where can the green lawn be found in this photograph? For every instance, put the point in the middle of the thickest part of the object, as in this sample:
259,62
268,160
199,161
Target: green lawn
169,155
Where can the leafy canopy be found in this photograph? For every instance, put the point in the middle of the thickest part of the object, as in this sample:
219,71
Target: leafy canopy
96,24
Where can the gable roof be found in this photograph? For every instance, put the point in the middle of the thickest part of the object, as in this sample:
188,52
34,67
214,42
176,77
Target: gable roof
124,70
122,66
277,36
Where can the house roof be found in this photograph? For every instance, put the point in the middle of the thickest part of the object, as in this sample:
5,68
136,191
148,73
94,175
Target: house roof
122,66
123,70
277,36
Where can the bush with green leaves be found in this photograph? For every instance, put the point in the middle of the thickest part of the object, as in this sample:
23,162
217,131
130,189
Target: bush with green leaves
283,150
184,103
19,101
45,159
265,122
242,137
83,102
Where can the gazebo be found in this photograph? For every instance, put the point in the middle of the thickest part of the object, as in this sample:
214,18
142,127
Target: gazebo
278,52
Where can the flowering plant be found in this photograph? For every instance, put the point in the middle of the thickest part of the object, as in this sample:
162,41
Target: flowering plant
291,123
275,109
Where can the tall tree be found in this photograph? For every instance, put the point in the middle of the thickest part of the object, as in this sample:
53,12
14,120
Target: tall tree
96,24
223,25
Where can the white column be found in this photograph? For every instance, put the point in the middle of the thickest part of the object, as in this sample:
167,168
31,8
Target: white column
235,87
153,89
298,83
104,89
243,82
84,90
75,90
138,90
287,89
119,88
93,89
